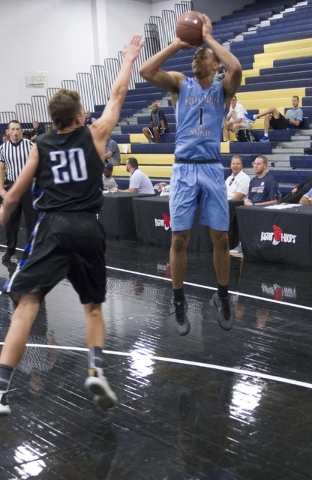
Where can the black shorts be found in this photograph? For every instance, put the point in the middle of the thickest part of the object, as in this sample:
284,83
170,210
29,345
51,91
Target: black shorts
64,245
280,123
150,130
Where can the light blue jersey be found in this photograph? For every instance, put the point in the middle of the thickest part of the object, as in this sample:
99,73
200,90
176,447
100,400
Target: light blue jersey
199,117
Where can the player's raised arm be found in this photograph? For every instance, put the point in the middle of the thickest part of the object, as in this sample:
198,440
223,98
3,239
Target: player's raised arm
102,127
233,76
150,70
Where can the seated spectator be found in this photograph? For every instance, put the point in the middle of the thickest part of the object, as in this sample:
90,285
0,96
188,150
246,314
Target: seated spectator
88,119
139,181
235,120
159,125
238,182
26,134
274,119
306,199
36,130
297,192
108,180
263,190
112,153
220,73
5,137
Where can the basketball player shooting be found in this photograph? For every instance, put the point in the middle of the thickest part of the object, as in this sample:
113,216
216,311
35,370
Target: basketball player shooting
68,240
197,175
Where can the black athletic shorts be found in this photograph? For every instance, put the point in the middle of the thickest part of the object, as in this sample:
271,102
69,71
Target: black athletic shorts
150,131
65,244
280,123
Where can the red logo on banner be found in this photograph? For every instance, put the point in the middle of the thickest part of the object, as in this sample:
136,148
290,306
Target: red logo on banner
166,220
163,222
277,234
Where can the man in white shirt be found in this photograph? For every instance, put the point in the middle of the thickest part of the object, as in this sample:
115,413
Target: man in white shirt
237,183
235,119
139,181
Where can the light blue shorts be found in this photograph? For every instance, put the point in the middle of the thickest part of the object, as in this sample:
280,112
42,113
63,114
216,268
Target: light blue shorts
202,185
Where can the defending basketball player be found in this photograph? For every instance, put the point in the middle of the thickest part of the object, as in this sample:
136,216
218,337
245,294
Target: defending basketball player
68,239
197,176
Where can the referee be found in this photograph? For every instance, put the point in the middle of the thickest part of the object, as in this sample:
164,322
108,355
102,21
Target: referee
13,156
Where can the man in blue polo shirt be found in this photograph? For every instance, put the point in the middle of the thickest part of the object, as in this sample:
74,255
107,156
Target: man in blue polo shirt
263,190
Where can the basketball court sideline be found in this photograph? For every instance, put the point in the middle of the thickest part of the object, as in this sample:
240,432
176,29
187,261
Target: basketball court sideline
213,404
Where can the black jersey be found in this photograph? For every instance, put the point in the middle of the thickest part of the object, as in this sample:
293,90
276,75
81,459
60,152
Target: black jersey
69,175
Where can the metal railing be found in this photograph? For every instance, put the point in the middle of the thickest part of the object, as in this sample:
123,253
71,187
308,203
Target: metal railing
98,76
94,87
85,88
24,114
6,117
51,91
69,84
40,108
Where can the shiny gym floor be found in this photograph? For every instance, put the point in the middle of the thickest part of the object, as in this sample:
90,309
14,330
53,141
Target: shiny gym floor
213,405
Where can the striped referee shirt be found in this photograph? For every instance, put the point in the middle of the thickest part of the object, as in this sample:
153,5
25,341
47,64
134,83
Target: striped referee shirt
14,155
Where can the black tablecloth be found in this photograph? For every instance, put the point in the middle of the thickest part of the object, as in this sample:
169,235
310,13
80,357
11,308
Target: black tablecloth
117,215
152,221
282,236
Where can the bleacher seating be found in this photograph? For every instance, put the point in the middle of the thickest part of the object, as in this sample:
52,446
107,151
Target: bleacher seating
277,63
270,80
301,161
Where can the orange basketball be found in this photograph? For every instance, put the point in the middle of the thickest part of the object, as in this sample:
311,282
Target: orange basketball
189,28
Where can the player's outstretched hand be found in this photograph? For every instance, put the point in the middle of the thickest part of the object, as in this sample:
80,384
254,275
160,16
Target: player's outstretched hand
207,27
132,50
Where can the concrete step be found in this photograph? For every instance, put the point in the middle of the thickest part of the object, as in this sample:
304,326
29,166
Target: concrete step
279,165
279,157
143,113
307,132
297,150
297,138
295,143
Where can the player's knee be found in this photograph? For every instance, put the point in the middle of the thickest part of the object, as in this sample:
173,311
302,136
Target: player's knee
179,243
220,241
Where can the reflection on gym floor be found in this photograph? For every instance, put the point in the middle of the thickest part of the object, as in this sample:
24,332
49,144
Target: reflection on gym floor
212,405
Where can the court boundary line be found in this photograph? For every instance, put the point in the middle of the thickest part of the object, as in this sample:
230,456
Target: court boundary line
205,287
210,366
188,362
